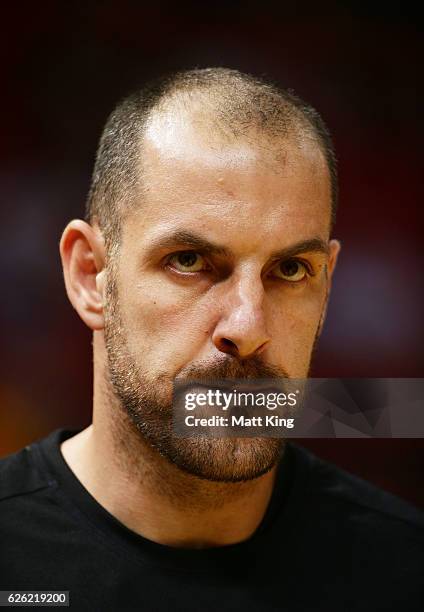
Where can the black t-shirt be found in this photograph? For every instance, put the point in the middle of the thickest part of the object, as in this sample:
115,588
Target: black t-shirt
328,541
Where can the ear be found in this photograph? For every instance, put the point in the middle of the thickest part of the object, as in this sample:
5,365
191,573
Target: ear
82,252
335,247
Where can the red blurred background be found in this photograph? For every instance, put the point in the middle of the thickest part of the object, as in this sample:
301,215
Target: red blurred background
64,67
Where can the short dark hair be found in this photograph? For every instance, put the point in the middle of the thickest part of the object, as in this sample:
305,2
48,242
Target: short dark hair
239,102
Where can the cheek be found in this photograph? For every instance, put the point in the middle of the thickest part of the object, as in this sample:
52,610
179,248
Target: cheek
164,322
293,325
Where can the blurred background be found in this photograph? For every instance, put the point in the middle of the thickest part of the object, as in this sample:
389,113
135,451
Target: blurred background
64,67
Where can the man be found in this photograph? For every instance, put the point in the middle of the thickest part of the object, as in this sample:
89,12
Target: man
206,253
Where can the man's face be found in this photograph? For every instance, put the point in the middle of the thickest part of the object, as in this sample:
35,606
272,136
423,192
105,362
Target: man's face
223,270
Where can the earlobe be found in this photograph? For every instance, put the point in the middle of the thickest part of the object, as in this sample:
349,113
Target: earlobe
83,255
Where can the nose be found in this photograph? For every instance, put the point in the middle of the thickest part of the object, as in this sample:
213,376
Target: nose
241,329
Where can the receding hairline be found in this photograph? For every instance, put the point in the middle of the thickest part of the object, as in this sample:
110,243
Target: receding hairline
233,105
209,105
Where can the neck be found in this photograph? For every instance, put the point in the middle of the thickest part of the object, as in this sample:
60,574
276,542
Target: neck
153,497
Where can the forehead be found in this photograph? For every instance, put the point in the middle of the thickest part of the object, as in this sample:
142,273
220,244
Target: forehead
195,177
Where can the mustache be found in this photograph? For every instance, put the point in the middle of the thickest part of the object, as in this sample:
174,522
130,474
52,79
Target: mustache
231,367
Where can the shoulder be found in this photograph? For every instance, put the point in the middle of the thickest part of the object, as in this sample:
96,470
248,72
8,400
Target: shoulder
19,475
364,504
30,469
366,543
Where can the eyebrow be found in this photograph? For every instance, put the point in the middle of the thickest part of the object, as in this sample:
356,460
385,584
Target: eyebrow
188,239
195,241
313,245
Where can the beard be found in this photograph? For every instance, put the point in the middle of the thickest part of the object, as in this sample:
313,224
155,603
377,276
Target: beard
148,402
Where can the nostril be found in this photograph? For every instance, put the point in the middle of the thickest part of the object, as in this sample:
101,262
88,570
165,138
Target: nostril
228,346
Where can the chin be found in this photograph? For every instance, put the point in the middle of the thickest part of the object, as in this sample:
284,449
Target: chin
226,460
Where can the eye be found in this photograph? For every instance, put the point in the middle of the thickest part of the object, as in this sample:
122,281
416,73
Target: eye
291,270
187,261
